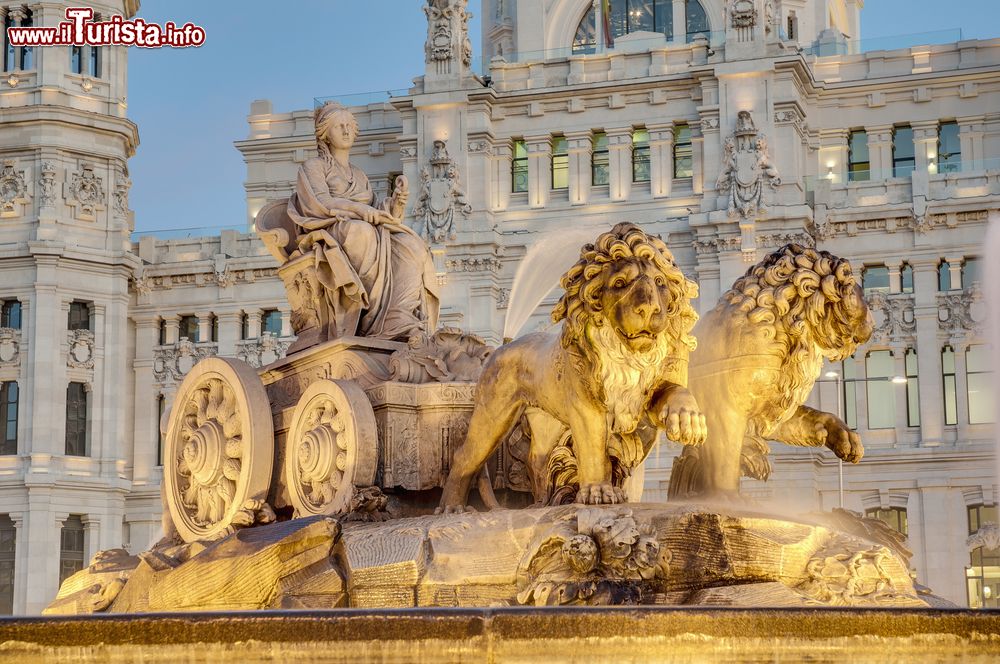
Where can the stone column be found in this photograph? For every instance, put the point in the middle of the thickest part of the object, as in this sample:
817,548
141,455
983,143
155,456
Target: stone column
253,324
173,328
145,430
539,170
925,137
955,271
204,326
580,148
833,154
925,312
20,550
880,151
17,15
42,526
942,554
286,323
680,22
101,393
230,324
500,172
861,390
899,391
619,163
661,159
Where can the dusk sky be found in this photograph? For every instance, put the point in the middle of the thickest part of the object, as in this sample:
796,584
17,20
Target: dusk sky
191,104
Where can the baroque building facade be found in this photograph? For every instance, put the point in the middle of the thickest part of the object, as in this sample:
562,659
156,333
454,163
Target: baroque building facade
761,122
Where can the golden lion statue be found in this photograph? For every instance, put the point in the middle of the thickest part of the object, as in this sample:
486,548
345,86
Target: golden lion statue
609,377
759,353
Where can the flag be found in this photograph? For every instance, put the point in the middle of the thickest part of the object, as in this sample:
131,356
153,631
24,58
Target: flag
609,39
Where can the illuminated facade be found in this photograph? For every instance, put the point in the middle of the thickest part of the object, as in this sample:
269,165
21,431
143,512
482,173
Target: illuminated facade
889,157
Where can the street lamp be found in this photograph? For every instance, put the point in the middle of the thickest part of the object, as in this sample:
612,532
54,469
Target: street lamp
833,376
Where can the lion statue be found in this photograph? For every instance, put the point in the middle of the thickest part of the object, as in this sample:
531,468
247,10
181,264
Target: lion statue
600,385
759,353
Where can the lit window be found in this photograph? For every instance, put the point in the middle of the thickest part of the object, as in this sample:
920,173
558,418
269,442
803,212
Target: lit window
944,276
979,378
875,278
903,161
71,547
949,159
10,314
518,169
188,328
271,321
640,155
76,420
948,375
560,163
161,407
983,573
858,165
697,19
8,418
8,554
971,272
906,278
912,389
79,316
683,164
894,517
599,159
879,387
627,16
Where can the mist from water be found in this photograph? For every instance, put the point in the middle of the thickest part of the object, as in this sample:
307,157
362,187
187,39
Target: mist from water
991,292
540,270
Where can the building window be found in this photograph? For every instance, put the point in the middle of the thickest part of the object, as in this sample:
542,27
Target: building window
697,19
949,157
971,272
640,155
879,387
27,53
8,418
214,327
793,23
161,407
858,165
76,59
162,332
983,573
903,161
599,159
621,17
71,547
8,554
683,163
875,279
79,316
948,375
244,326
979,379
906,278
912,389
944,276
518,168
10,314
272,321
188,327
94,62
894,517
849,371
76,420
9,63
560,163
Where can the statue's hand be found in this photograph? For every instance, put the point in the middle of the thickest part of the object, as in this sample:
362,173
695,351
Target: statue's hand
679,415
832,432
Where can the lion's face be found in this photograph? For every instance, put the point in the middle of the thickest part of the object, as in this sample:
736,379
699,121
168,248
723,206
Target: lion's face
848,325
635,301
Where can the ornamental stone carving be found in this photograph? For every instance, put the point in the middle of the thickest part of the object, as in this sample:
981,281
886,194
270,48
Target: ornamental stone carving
840,574
120,197
448,355
262,351
987,536
962,312
894,318
746,169
742,14
10,346
81,349
85,192
47,184
447,34
13,190
440,197
173,362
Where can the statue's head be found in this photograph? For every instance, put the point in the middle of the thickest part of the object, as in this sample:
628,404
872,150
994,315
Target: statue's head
336,127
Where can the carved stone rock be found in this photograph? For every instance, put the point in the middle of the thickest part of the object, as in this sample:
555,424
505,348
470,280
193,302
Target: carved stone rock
447,355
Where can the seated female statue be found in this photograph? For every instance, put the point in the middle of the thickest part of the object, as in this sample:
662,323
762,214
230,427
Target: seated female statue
376,273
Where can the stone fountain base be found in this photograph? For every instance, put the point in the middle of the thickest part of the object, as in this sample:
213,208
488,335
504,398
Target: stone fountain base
640,554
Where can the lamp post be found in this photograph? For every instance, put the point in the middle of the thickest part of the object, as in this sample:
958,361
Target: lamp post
833,376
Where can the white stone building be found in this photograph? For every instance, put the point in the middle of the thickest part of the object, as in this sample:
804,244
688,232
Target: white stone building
888,157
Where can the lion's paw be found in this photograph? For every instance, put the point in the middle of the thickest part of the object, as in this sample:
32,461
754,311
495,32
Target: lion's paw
833,433
602,493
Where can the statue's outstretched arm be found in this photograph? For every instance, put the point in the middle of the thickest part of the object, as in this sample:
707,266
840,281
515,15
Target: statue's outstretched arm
809,427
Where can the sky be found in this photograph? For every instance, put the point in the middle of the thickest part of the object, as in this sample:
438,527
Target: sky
192,104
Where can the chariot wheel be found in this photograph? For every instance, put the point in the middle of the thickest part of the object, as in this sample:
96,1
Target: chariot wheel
332,448
219,448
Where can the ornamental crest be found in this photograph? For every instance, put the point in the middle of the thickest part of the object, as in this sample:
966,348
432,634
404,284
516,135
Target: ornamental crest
440,196
85,190
13,190
743,14
81,349
9,345
746,169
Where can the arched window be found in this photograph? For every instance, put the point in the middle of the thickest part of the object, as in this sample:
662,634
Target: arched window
627,16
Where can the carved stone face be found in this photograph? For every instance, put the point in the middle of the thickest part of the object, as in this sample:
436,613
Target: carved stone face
340,134
634,302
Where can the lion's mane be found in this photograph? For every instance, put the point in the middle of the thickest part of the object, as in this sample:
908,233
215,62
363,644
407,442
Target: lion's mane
795,299
622,373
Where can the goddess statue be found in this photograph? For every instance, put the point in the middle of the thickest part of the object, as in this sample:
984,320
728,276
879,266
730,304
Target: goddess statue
375,274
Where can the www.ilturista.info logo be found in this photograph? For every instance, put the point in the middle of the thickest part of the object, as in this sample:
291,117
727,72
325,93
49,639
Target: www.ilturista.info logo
79,30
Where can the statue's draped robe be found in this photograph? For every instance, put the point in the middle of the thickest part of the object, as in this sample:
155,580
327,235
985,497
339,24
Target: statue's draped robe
379,280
